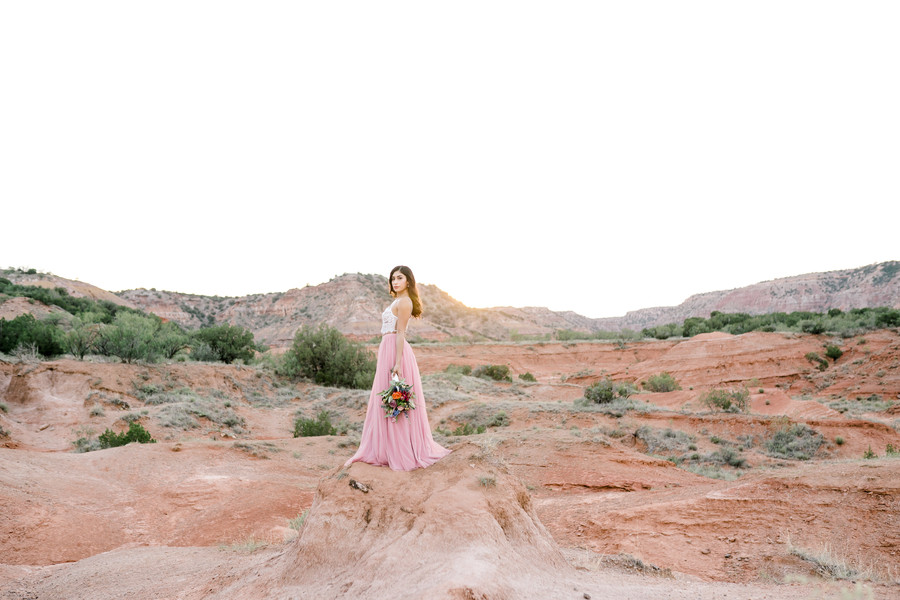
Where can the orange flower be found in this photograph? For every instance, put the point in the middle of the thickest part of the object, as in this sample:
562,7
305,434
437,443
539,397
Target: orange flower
396,395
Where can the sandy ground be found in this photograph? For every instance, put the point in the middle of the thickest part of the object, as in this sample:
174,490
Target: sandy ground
579,504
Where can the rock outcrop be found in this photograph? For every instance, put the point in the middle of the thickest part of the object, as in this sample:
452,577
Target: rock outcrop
463,528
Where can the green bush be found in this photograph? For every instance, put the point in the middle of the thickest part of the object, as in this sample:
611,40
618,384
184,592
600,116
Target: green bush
812,326
833,352
460,369
606,390
889,318
321,425
228,342
495,372
527,377
130,336
104,310
80,339
135,433
25,330
661,382
845,324
328,358
170,340
726,400
663,332
601,392
202,352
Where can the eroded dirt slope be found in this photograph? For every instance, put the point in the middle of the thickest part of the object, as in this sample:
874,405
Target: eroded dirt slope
622,491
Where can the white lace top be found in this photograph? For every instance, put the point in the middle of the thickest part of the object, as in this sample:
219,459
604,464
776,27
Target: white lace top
389,319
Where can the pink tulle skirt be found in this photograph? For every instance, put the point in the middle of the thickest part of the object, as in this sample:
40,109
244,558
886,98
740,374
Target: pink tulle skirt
406,444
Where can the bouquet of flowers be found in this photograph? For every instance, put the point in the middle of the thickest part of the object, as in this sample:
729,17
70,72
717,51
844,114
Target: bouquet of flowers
398,398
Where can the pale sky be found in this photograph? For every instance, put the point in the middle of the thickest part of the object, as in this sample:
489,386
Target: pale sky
590,156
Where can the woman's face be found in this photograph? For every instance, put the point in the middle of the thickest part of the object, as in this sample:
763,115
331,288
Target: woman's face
399,282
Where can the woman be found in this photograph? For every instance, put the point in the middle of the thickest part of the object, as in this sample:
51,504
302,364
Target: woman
402,444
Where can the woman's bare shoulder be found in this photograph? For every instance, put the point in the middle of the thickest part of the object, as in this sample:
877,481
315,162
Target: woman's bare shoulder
404,302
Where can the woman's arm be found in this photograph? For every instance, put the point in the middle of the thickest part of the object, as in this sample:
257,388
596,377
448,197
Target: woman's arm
404,312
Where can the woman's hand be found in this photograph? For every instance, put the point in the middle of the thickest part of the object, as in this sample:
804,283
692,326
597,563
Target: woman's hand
396,371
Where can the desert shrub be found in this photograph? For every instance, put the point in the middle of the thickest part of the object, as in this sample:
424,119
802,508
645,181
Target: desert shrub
180,407
726,400
328,358
888,318
135,433
833,352
170,340
500,419
839,441
495,372
794,442
177,416
817,360
869,453
103,310
228,342
469,429
625,389
479,417
203,352
659,441
860,406
617,408
319,426
79,340
527,377
661,382
845,324
693,326
85,442
601,392
663,332
812,326
728,456
459,369
605,391
25,330
130,337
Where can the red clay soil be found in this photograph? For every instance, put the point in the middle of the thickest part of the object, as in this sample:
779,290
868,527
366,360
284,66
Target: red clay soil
562,501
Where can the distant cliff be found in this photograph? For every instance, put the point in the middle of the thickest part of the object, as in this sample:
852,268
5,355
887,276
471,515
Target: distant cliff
353,303
869,286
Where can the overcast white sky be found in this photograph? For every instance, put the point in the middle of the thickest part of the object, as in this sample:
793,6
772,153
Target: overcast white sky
591,156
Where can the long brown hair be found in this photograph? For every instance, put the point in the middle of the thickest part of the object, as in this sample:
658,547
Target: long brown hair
413,290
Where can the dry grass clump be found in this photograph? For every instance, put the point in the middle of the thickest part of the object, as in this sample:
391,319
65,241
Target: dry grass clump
632,563
256,449
830,563
663,441
796,441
